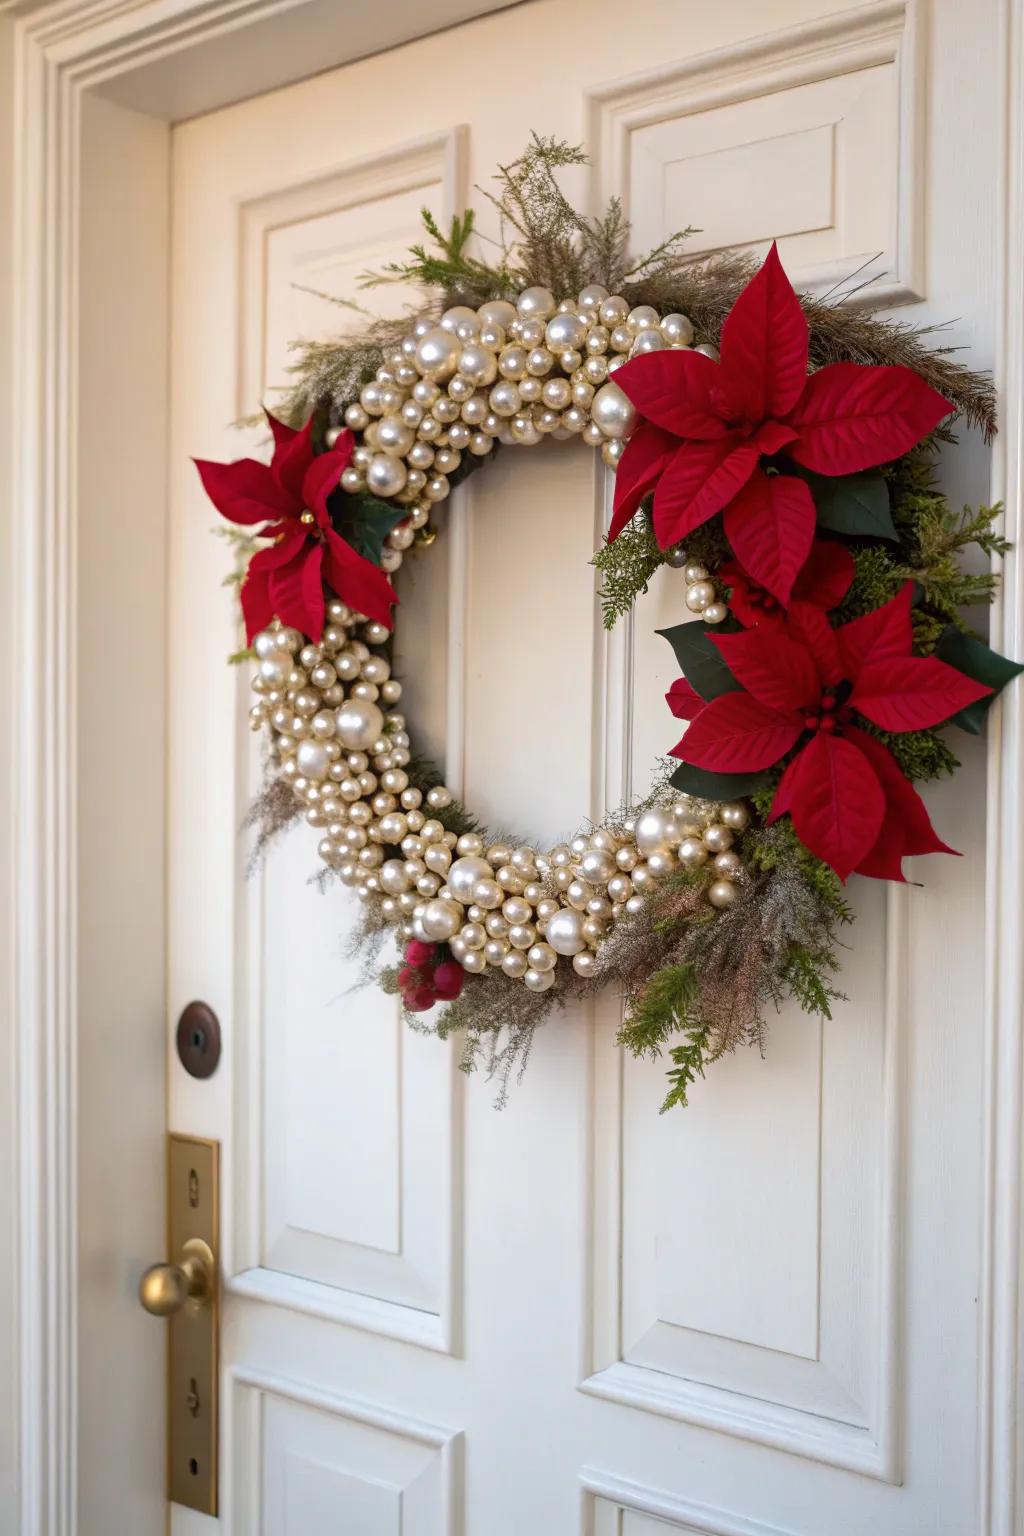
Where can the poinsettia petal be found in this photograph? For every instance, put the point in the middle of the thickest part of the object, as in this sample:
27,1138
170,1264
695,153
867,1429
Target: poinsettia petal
672,389
776,669
826,575
321,478
683,699
698,482
257,609
297,591
770,526
811,628
245,491
357,581
647,453
771,436
906,827
852,416
909,693
292,457
835,800
883,632
736,733
281,431
764,345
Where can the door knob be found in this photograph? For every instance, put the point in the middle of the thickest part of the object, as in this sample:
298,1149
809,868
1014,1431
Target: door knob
165,1288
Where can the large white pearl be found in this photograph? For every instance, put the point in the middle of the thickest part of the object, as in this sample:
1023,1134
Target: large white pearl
465,874
441,919
536,303
565,333
385,476
313,759
564,932
360,723
598,866
393,877
655,831
394,435
613,412
677,330
497,312
437,354
478,365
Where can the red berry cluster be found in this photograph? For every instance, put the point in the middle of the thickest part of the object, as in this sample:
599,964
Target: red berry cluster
428,976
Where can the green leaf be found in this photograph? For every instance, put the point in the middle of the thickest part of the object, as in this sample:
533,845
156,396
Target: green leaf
700,662
718,786
857,505
364,522
978,660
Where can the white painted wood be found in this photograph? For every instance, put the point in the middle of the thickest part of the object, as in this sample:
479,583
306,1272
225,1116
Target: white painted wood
535,1262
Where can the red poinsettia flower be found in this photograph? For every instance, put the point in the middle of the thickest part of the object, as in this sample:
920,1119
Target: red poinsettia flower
706,426
805,686
824,580
290,494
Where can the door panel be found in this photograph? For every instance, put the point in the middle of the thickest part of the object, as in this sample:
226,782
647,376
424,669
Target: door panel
753,1317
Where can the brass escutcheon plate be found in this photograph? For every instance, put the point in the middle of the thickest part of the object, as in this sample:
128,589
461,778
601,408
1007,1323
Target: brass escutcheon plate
193,1208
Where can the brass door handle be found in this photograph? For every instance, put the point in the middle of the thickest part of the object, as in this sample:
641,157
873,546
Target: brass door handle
166,1288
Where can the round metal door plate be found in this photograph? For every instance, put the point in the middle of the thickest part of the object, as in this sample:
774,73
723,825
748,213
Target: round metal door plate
198,1040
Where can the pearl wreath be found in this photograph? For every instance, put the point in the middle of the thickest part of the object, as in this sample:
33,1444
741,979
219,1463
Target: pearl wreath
512,374
508,373
495,904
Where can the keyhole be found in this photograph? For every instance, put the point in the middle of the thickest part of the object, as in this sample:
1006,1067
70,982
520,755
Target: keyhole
193,1188
199,1039
193,1467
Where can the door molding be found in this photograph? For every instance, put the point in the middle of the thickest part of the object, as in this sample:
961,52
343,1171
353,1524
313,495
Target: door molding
62,52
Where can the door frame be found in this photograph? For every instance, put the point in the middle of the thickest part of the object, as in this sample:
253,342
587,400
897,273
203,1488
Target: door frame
61,56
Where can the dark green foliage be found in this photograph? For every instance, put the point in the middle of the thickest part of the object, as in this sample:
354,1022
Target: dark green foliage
980,661
700,661
717,786
365,522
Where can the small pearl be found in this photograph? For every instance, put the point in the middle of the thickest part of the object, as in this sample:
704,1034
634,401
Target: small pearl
718,838
538,981
722,893
700,595
585,963
735,814
515,963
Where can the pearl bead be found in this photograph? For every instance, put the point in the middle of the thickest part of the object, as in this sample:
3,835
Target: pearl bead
734,814
542,957
536,303
564,932
385,476
538,981
565,333
585,963
393,876
677,330
620,888
654,831
459,314
464,876
473,936
478,365
504,399
515,963
715,613
613,412
517,910
613,310
437,355
728,864
722,893
497,312
597,866
474,962
700,595
360,723
394,435
313,760
441,919
495,951
648,341
718,838
692,851
661,864
592,296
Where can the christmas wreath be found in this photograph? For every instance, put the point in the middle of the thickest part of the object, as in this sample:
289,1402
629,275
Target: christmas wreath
779,453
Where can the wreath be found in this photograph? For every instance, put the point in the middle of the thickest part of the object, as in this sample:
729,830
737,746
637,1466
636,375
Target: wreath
779,453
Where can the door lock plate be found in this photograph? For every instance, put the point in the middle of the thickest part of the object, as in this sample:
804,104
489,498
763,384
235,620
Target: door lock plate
193,1207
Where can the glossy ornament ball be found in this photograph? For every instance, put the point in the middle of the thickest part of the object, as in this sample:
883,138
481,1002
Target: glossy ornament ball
359,724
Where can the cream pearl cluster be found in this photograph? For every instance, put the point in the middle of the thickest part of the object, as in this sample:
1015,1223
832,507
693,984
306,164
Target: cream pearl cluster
504,373
345,750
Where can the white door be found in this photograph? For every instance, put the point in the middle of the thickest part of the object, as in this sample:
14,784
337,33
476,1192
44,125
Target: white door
754,1317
